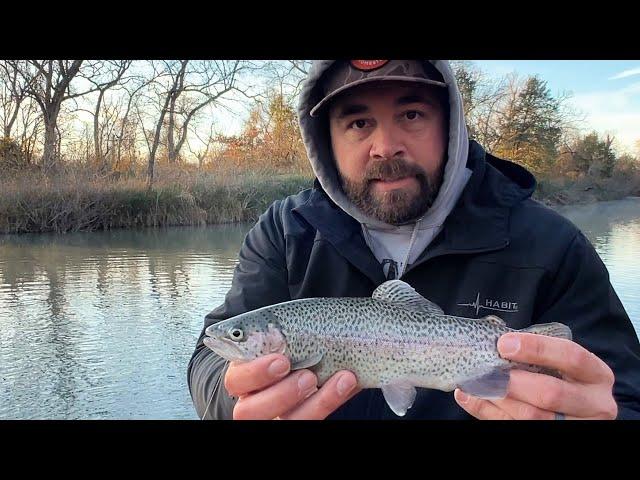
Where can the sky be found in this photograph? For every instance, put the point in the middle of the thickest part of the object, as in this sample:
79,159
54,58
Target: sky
607,92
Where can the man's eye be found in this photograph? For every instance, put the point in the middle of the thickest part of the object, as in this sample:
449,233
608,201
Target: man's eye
412,114
359,124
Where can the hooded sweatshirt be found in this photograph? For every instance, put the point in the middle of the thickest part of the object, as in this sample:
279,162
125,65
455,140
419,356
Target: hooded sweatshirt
497,243
395,246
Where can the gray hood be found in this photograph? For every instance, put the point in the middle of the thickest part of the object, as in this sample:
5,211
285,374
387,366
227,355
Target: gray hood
315,135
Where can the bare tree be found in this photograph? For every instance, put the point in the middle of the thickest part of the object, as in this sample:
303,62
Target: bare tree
12,93
199,85
146,134
482,98
286,76
181,89
29,127
103,81
49,84
127,130
174,93
173,71
50,89
202,153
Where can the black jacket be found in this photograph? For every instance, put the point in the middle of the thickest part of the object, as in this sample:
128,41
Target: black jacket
498,249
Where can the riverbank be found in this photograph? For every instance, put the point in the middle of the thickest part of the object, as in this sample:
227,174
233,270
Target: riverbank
73,203
556,192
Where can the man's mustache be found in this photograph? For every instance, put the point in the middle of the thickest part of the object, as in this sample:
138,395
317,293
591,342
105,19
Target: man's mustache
392,169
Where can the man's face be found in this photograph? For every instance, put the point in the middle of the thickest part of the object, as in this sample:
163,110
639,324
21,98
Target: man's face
389,140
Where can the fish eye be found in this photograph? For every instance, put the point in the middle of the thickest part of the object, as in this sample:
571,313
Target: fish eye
236,334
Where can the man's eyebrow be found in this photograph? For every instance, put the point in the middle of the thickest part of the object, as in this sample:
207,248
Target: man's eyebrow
351,109
416,98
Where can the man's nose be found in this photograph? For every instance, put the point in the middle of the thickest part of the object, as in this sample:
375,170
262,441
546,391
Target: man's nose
386,143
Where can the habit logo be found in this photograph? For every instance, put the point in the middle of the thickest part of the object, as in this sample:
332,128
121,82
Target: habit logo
490,304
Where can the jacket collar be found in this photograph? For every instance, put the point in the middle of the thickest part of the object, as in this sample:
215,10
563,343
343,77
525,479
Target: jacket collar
342,231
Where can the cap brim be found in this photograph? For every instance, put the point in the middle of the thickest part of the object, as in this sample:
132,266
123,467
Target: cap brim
323,102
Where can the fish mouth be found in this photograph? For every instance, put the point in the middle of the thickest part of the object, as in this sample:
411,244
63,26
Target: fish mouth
226,348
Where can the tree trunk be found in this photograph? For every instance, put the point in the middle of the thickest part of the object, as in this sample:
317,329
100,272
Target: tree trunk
152,161
50,141
170,141
8,127
118,154
154,147
96,132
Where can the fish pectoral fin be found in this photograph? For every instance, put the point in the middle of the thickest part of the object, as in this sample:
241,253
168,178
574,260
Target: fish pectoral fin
310,361
489,385
399,396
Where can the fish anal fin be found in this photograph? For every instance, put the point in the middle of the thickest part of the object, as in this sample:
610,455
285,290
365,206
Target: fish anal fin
400,396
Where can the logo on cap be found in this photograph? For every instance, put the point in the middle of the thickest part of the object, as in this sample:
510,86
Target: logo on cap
367,65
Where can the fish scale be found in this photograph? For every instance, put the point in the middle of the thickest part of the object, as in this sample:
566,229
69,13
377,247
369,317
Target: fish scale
396,340
410,343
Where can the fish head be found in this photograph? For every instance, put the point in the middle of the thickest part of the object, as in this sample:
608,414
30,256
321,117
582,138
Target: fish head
247,336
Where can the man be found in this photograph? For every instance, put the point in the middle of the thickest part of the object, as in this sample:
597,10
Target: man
402,193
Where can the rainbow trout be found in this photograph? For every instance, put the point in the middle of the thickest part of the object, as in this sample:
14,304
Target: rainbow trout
395,340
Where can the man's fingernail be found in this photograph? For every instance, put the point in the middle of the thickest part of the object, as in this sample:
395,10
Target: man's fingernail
307,384
278,368
509,344
461,396
345,384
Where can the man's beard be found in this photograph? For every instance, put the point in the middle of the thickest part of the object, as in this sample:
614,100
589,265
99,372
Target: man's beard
396,206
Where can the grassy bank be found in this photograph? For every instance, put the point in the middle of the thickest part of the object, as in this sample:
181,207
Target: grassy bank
76,202
556,191
73,203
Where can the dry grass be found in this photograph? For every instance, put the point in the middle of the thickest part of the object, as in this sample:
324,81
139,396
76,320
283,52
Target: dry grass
558,190
79,201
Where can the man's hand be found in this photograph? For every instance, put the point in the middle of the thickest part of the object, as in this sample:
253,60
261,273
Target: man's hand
584,392
267,390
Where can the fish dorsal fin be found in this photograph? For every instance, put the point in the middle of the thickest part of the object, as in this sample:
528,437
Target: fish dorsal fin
495,320
404,295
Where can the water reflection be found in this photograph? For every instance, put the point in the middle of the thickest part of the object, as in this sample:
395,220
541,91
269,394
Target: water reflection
102,325
614,230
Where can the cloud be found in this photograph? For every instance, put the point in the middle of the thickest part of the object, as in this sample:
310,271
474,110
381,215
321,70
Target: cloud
626,73
621,126
620,101
614,112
